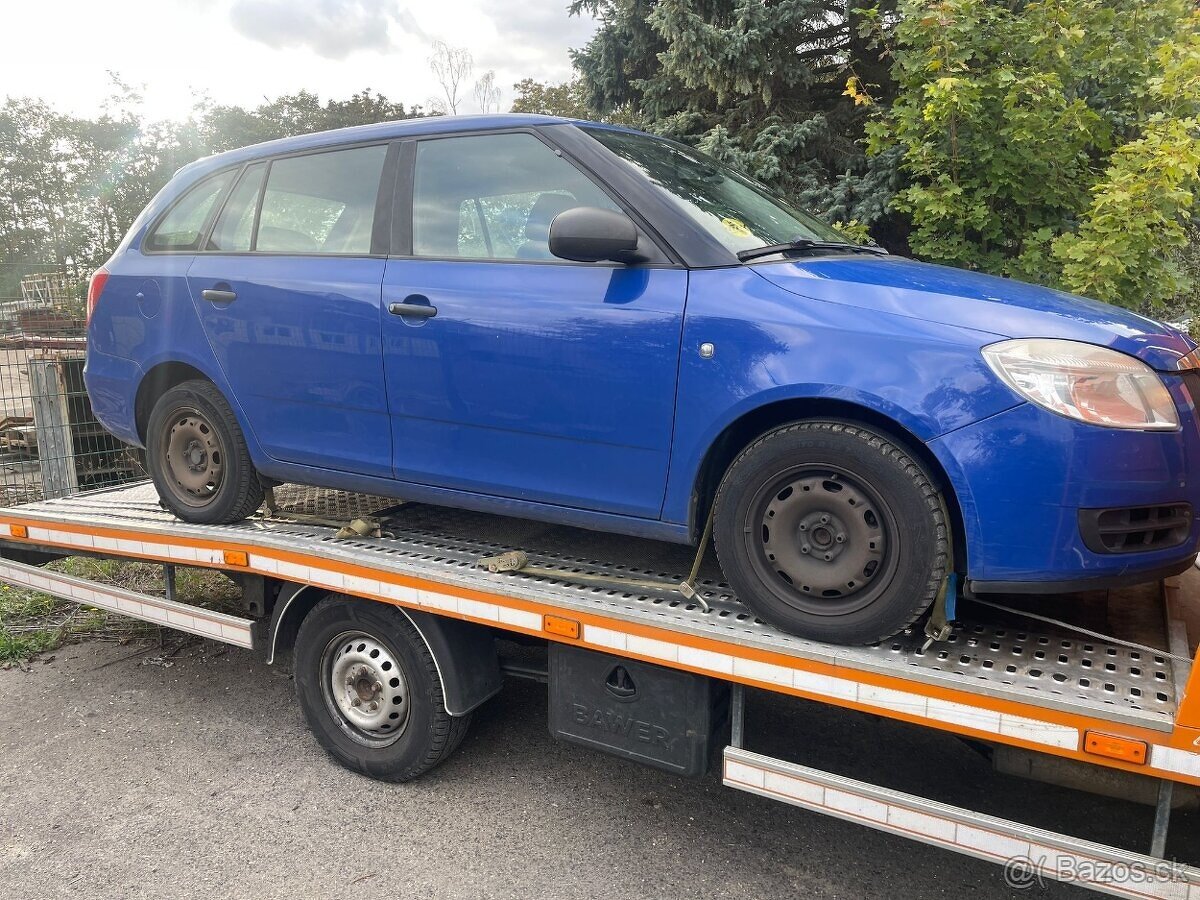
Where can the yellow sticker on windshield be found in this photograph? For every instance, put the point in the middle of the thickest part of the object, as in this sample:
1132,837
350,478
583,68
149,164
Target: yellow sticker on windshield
736,227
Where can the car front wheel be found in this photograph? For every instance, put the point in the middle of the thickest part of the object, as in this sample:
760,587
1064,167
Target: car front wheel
831,531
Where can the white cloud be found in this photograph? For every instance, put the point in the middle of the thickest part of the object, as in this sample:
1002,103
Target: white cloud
533,38
242,51
334,29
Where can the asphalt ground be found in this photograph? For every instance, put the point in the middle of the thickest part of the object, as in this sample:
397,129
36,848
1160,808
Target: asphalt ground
120,778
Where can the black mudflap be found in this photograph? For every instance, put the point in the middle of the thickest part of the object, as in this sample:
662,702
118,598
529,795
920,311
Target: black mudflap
635,710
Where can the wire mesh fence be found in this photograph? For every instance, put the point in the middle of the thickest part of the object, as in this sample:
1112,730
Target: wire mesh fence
50,442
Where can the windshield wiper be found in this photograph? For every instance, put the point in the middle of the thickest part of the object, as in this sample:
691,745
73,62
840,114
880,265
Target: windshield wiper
803,245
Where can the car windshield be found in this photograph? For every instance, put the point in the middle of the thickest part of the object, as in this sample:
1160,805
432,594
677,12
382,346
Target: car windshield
737,211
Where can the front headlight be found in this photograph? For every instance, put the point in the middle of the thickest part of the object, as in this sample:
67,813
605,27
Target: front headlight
1085,382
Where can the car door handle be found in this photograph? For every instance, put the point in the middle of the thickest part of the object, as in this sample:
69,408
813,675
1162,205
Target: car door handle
416,310
213,296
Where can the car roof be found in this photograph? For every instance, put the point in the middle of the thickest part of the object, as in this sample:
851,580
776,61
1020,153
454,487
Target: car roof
400,128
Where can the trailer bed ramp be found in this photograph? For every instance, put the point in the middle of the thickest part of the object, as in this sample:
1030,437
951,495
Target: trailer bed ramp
1082,699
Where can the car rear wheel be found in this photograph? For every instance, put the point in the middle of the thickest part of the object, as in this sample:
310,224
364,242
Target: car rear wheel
831,531
198,457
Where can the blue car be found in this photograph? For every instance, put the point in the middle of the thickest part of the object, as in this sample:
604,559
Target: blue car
593,326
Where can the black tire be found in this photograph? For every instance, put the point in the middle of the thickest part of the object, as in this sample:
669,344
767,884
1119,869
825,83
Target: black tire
197,456
831,531
421,734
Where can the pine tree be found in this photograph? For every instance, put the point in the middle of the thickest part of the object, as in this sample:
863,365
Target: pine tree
762,85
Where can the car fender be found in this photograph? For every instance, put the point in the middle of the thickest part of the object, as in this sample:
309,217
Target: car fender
770,346
207,366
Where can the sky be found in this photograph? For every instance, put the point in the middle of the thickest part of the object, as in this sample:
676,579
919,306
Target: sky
242,51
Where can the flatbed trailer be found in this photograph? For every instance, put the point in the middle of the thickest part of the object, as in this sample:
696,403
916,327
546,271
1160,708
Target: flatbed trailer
1097,705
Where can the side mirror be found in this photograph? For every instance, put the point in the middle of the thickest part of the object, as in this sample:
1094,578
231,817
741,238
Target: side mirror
591,234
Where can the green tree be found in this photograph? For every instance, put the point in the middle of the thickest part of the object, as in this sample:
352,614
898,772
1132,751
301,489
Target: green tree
1135,244
1052,140
45,175
70,187
759,84
567,99
227,127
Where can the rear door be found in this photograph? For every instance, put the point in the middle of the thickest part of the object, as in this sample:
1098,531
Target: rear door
527,376
288,291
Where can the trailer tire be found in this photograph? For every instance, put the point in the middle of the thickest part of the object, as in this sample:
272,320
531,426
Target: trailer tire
832,531
348,650
198,458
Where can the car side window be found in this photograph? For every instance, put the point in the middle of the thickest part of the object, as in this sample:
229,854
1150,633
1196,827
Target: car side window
493,196
321,202
182,227
235,224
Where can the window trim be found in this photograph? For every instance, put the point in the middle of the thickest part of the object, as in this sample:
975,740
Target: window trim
239,169
212,227
381,225
664,257
401,245
258,202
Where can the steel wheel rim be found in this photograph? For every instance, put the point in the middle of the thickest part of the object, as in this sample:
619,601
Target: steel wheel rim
364,688
822,540
193,457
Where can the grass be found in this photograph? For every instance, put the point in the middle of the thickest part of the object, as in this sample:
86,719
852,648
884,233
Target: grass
33,623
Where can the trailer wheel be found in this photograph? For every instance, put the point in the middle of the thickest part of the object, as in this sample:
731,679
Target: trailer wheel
370,690
831,531
198,458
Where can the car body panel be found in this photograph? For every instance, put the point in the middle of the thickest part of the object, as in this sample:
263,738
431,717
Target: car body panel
1022,477
472,406
300,349
1005,306
108,379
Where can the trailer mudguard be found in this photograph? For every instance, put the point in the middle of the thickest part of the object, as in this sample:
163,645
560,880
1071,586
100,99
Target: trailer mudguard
464,653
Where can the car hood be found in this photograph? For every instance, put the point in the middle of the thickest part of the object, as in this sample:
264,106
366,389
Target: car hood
956,297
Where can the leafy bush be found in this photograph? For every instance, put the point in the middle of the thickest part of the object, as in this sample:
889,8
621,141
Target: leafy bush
1053,140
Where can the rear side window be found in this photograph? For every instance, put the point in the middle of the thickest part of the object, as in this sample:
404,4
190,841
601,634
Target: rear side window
235,226
321,203
183,226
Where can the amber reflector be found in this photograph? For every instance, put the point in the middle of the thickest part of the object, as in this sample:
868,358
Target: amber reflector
1124,749
560,626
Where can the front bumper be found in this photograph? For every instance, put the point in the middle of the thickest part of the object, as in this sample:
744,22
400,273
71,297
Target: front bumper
1022,476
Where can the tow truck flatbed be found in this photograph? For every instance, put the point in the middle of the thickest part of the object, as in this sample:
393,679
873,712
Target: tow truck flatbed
1038,689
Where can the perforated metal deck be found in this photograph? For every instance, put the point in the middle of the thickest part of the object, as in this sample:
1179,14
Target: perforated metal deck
1042,667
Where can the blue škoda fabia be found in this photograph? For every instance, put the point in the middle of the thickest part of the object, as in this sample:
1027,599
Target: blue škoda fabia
593,326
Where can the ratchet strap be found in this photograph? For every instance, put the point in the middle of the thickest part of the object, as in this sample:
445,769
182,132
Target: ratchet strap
517,561
941,615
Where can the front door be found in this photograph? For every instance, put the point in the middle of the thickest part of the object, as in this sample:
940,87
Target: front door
513,373
291,308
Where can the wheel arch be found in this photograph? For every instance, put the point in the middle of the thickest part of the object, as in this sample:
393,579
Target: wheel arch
157,381
751,425
464,653
163,373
